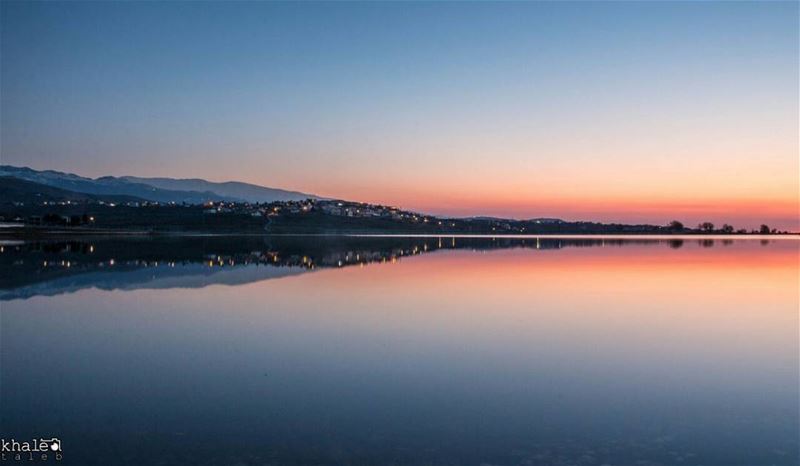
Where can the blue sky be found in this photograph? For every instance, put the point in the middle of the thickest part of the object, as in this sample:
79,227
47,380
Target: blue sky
493,108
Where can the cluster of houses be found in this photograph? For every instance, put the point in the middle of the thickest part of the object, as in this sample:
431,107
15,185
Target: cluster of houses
101,202
358,209
329,207
266,210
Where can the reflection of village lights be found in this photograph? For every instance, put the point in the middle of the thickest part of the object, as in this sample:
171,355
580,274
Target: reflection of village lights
91,248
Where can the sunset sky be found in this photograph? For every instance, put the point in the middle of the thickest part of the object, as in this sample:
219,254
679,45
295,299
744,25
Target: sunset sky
606,111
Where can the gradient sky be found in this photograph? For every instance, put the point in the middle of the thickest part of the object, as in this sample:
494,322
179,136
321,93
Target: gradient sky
613,111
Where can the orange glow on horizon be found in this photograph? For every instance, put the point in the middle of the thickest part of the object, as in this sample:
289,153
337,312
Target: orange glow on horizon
750,212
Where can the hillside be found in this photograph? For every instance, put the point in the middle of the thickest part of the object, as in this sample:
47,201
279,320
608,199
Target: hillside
15,190
192,191
231,189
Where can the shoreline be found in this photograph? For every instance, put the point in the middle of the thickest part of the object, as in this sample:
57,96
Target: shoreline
49,233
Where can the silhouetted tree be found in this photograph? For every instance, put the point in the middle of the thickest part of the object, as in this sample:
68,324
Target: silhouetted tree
706,226
675,226
764,230
727,228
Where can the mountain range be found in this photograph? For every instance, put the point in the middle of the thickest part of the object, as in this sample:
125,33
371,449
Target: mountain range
26,185
192,191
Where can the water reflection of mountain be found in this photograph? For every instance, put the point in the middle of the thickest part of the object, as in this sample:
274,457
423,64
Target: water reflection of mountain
54,267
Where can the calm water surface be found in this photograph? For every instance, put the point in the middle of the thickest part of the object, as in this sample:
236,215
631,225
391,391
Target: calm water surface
252,351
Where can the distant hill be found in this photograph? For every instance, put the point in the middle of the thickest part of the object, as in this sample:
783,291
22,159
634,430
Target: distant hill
19,190
194,191
546,220
503,219
232,189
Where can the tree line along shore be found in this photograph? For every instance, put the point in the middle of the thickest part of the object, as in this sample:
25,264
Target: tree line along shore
301,217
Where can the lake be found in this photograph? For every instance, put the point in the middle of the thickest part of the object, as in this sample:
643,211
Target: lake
403,350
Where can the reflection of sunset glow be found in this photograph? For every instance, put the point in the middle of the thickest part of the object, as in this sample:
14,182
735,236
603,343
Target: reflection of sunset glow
730,299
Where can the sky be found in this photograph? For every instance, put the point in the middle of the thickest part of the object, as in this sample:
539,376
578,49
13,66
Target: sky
618,111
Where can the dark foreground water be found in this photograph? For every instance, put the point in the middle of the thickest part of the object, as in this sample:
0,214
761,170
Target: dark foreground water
253,351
